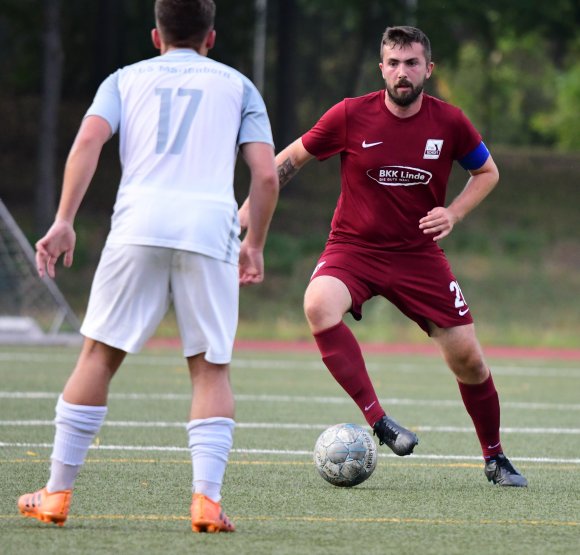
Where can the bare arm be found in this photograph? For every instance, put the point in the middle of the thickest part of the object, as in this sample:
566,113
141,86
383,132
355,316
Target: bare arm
288,162
440,221
79,170
262,201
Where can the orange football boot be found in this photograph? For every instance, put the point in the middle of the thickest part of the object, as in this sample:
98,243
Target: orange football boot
45,506
208,516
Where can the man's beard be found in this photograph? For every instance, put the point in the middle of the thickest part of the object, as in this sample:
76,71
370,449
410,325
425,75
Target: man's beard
407,98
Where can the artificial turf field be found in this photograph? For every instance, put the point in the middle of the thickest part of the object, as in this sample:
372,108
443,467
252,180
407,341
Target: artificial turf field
133,494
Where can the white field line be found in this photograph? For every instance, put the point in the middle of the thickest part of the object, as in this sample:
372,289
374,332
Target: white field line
287,452
293,426
429,366
437,403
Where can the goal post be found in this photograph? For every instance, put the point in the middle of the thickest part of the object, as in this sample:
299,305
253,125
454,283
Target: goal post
32,309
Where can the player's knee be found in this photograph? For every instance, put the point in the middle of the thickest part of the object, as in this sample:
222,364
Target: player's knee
313,311
469,365
319,315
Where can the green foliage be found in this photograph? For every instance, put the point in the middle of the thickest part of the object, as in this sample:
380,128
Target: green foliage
564,122
465,84
501,90
501,54
282,251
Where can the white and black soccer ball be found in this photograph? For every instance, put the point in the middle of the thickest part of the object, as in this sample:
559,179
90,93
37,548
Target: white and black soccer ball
345,455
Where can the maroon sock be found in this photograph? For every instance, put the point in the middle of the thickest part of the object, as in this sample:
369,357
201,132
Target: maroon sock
482,404
342,355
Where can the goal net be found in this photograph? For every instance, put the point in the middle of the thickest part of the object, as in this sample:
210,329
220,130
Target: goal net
32,310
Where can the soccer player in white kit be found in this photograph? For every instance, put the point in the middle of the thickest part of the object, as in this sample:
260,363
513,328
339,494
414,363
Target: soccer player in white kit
174,237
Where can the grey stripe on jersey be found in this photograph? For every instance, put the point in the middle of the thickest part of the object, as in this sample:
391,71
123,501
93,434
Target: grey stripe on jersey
233,238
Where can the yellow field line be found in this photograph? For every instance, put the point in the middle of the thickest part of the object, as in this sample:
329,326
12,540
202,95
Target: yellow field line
319,519
399,520
405,463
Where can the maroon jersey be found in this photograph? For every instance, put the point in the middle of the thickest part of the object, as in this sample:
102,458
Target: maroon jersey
393,170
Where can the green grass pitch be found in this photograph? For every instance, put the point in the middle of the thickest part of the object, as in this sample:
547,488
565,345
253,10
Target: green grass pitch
133,494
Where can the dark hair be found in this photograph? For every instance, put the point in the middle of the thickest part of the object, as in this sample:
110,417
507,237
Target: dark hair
405,36
184,23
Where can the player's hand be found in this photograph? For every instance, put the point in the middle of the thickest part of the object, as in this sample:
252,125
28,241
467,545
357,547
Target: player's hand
59,239
438,222
244,215
251,265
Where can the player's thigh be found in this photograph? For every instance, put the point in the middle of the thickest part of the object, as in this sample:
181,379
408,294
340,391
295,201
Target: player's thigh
205,296
129,295
338,285
424,288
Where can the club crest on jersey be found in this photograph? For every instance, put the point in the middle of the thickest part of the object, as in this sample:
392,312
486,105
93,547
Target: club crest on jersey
433,149
400,176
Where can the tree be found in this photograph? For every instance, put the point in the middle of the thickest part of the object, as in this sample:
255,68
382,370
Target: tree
47,135
501,90
563,123
286,73
260,29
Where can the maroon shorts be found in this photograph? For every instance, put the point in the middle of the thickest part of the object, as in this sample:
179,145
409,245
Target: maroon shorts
419,283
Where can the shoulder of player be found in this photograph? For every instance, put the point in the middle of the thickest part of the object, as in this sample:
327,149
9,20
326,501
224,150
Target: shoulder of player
357,101
436,105
361,104
172,59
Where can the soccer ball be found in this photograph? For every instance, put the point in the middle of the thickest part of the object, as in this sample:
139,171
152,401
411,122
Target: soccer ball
345,455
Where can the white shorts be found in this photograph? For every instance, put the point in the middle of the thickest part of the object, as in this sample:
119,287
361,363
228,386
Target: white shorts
134,285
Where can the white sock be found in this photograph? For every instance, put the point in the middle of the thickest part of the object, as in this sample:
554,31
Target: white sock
76,427
62,476
210,442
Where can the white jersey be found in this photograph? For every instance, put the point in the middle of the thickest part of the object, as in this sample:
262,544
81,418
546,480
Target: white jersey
181,118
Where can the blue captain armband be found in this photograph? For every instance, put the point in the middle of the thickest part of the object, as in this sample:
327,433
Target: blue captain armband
476,158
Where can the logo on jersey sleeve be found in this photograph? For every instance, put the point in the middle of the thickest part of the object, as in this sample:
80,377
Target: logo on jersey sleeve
432,149
400,176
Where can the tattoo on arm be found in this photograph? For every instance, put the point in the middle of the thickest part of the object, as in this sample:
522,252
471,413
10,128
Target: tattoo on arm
286,171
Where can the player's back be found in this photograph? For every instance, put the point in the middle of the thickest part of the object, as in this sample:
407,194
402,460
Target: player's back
179,117
179,123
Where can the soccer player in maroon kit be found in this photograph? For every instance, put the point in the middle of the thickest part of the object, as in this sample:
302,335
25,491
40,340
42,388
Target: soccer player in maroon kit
397,147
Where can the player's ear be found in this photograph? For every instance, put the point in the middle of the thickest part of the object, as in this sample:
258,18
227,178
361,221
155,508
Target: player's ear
155,38
430,67
381,68
210,39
